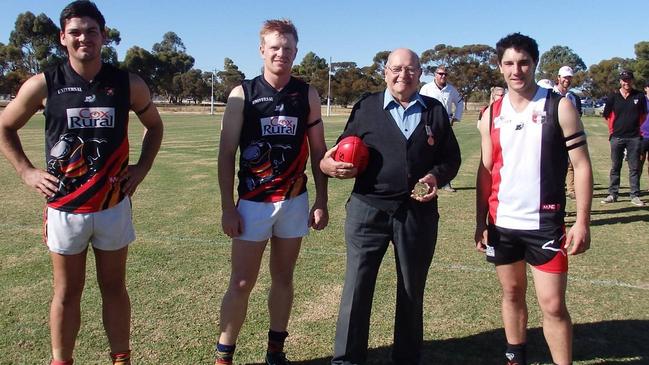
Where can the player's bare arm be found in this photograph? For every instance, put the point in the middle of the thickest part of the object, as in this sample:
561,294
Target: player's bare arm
483,184
148,115
578,237
319,215
229,142
30,98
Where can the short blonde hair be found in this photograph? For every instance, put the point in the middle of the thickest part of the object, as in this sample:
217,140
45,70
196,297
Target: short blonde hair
281,26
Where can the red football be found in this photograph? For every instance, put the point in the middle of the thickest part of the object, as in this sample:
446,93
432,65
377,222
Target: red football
352,149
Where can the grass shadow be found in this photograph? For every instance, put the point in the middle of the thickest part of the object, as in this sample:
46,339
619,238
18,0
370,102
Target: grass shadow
610,342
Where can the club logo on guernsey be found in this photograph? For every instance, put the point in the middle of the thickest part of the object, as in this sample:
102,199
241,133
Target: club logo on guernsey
278,125
82,118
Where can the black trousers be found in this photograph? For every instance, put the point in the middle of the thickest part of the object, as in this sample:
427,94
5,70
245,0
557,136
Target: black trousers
633,147
368,232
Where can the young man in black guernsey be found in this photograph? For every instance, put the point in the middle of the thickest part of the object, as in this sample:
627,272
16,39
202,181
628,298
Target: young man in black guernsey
275,121
88,182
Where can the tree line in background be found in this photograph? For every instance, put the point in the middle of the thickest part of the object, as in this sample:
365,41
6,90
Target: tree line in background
169,70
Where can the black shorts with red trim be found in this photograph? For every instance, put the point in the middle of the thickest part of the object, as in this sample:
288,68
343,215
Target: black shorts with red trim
543,248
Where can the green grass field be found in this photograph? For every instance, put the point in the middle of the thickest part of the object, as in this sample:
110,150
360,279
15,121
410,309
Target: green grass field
179,268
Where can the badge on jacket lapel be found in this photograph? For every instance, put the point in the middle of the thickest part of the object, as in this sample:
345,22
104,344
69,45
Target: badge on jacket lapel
429,132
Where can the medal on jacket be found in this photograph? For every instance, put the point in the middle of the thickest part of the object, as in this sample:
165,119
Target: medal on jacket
429,132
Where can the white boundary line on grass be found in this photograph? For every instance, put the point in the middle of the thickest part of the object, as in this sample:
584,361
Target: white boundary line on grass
457,267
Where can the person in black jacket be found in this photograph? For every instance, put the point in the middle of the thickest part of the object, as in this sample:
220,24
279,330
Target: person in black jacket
410,142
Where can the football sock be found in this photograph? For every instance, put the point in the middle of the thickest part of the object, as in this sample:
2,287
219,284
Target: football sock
224,354
276,341
121,358
62,362
516,354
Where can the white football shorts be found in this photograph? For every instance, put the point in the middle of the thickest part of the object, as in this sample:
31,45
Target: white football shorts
109,230
285,219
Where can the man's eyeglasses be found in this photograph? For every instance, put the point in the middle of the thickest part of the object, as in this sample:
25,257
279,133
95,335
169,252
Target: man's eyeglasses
398,69
441,73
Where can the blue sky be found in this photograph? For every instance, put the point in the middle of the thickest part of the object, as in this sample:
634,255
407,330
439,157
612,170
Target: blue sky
356,30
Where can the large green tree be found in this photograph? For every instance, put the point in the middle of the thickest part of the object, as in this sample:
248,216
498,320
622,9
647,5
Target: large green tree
379,61
557,56
38,39
229,78
349,83
193,86
108,52
472,68
604,76
143,63
315,71
172,60
641,66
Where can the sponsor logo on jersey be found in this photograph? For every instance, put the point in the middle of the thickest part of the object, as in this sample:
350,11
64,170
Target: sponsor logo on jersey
90,98
262,99
68,90
279,108
278,125
82,118
550,207
519,126
109,91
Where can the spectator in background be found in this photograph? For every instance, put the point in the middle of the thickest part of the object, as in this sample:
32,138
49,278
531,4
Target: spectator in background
545,83
625,109
644,130
564,80
497,92
448,95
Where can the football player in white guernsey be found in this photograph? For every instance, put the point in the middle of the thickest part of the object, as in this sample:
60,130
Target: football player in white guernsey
512,244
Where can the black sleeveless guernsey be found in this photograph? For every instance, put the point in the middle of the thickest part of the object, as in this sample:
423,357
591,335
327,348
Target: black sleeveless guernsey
86,139
273,142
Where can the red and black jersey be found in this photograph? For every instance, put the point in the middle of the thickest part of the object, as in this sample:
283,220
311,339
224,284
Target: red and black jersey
530,161
273,142
86,137
625,116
